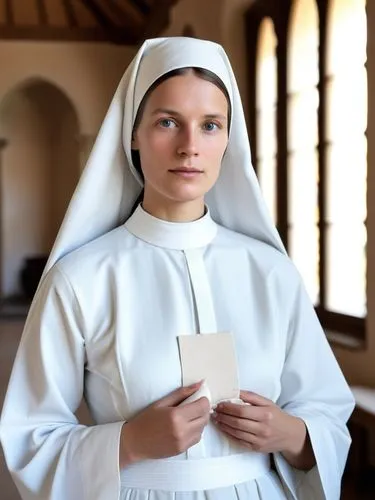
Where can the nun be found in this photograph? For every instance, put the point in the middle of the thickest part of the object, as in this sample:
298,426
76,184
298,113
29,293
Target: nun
170,305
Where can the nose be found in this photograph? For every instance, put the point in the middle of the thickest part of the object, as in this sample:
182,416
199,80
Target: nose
188,144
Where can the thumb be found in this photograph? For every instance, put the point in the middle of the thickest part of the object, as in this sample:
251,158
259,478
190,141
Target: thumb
176,397
254,399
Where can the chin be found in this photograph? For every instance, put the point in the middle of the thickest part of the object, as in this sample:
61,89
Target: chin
187,197
187,193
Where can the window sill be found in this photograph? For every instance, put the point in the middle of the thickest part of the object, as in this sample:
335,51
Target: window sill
345,341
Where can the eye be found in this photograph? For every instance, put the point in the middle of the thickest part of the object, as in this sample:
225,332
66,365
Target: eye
167,123
210,126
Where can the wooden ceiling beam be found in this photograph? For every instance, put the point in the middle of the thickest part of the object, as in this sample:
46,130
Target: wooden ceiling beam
116,23
121,35
126,13
102,18
9,14
70,13
159,17
141,5
42,12
57,33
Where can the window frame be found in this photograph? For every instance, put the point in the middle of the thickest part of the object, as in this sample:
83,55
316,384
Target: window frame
279,11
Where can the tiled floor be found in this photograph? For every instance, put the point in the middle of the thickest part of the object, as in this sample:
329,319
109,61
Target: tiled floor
10,332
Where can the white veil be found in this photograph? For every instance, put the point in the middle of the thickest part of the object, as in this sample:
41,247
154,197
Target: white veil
110,184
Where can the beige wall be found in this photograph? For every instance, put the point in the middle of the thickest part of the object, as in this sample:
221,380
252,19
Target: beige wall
87,73
37,183
223,21
63,142
203,16
40,169
24,189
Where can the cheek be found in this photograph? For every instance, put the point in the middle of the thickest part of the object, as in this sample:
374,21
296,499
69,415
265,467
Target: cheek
148,146
155,153
156,145
216,151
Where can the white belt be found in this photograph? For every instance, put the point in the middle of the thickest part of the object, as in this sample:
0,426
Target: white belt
195,474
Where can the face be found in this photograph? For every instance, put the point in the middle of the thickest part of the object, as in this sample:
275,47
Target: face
181,138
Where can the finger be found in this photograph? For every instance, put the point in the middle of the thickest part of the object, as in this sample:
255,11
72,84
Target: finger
176,397
194,431
198,424
196,409
256,413
240,424
247,437
255,399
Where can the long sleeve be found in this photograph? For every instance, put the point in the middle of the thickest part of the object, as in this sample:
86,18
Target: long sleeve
314,389
49,455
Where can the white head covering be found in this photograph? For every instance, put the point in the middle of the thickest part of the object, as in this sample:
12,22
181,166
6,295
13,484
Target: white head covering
110,184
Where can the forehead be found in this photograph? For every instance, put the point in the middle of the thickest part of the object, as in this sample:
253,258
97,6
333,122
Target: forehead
187,91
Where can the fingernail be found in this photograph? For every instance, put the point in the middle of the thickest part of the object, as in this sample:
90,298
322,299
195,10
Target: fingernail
196,384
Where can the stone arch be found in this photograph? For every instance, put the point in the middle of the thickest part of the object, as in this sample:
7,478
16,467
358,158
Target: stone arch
40,169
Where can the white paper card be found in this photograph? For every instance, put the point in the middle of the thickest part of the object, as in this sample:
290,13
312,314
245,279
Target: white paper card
210,357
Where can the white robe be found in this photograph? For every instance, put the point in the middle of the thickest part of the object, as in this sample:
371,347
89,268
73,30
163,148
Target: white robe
104,325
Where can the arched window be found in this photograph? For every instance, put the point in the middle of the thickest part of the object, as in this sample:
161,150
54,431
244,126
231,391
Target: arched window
346,157
302,163
266,97
313,165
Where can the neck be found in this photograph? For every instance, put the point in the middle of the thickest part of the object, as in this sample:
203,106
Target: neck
173,211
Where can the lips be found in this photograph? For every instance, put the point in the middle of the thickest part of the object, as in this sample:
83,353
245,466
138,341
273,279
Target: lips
187,173
187,170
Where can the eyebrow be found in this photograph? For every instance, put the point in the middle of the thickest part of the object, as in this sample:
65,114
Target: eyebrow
166,111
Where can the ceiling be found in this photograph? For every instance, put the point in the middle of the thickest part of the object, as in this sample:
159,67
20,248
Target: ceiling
125,22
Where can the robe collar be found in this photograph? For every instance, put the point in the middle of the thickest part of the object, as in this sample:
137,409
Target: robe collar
172,235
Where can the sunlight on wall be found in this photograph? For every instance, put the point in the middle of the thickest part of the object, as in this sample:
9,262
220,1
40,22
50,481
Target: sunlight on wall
303,102
266,113
345,146
347,157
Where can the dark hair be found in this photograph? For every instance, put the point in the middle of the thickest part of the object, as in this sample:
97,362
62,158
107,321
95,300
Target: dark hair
205,74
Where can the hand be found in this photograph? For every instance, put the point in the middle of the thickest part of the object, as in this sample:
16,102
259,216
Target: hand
263,427
164,429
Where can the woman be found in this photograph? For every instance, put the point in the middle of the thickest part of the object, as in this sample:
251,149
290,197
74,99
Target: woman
195,284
